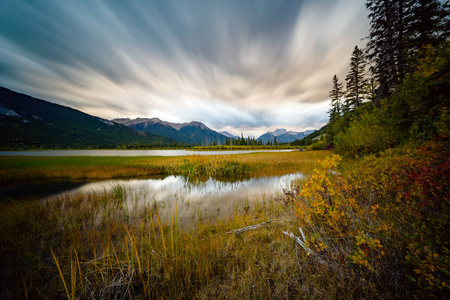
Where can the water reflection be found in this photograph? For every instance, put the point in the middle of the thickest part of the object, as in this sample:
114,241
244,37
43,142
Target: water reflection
207,199
194,200
38,189
180,152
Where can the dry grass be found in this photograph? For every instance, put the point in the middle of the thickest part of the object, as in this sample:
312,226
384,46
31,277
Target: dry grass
91,246
95,246
13,169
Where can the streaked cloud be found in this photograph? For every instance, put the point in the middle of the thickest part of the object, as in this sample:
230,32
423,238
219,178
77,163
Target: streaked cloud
241,66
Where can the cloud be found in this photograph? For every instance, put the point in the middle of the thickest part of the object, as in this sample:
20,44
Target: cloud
230,64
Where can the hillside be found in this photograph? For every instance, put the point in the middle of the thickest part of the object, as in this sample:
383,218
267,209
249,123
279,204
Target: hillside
27,122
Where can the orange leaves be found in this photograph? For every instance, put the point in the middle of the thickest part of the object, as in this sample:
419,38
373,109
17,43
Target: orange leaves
383,210
329,206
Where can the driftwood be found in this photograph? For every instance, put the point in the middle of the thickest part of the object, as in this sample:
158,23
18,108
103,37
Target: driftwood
243,229
302,242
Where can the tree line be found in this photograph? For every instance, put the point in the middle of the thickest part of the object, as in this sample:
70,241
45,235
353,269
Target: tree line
396,88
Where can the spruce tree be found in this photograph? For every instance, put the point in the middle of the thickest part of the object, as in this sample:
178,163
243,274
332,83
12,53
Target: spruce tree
428,25
386,42
355,80
336,94
400,31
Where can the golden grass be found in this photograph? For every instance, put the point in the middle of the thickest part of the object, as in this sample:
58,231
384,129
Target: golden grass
95,246
13,169
84,246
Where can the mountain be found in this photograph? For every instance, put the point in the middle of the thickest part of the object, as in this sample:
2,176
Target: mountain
190,133
27,122
311,138
278,132
229,135
283,136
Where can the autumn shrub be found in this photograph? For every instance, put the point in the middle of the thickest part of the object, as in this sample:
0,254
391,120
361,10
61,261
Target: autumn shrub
320,145
383,225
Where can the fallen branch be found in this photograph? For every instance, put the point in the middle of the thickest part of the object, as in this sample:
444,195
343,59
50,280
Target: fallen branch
243,229
302,242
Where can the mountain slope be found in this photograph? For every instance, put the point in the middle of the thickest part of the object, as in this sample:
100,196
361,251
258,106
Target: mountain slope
27,122
191,133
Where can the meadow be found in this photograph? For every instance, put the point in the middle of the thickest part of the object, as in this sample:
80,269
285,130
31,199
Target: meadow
371,228
14,169
92,246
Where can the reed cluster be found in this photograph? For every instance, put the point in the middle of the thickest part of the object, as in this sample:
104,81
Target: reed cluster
198,165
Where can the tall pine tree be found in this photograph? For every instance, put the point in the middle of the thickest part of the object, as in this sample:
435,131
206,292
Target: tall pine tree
386,42
356,82
400,31
428,25
336,94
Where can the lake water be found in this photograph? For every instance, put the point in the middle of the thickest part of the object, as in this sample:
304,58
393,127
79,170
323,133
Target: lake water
128,152
208,199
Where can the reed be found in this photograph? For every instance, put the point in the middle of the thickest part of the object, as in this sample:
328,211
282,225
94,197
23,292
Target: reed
96,255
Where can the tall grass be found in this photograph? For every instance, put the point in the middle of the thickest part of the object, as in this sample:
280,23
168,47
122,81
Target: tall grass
217,167
378,230
83,246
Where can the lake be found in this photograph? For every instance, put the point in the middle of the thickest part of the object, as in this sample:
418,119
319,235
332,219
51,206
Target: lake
128,152
194,200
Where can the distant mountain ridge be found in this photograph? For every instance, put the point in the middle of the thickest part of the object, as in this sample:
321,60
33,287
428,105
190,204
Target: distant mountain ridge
229,135
27,122
191,133
283,136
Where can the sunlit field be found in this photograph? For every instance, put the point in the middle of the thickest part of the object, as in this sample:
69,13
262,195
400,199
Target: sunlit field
254,164
351,230
93,245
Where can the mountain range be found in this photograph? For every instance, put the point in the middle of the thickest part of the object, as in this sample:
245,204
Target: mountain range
27,122
189,133
283,136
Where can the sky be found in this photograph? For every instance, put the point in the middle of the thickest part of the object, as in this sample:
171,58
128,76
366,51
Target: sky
240,66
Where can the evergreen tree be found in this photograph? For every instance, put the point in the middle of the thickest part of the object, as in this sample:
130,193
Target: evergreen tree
371,90
355,80
428,25
386,42
336,95
399,34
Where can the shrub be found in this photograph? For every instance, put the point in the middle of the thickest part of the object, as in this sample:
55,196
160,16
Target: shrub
384,226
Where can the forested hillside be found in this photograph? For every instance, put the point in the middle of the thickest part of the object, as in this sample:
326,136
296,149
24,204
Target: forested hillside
30,123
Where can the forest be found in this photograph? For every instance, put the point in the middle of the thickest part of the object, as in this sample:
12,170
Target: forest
384,221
